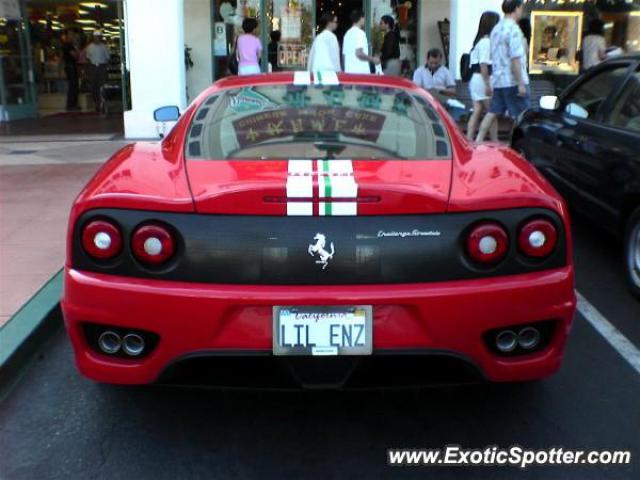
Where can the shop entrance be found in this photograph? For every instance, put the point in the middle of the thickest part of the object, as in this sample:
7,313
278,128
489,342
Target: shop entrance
287,28
36,74
342,9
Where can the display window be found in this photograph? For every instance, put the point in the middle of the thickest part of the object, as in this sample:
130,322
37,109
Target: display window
555,42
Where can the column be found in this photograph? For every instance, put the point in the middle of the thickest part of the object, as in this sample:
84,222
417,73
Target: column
199,38
155,48
465,16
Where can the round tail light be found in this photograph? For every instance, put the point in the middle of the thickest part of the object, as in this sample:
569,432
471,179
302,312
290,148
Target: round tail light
101,239
487,243
153,244
538,238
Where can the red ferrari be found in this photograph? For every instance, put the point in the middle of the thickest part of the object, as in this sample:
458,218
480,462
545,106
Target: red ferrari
318,231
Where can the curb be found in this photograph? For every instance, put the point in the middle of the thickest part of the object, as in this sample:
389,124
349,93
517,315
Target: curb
29,327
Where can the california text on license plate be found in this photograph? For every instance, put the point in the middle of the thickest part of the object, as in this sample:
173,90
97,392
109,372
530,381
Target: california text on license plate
344,330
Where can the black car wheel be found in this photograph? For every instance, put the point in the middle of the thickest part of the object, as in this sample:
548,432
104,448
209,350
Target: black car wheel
632,252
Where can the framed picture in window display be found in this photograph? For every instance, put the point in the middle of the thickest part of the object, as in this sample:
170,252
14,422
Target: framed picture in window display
555,42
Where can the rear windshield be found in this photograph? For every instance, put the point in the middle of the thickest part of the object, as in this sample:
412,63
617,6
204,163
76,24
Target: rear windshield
341,121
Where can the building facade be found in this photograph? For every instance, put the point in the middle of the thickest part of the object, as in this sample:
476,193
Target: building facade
169,51
207,29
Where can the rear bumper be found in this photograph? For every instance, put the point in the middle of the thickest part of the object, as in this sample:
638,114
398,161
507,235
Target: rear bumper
224,321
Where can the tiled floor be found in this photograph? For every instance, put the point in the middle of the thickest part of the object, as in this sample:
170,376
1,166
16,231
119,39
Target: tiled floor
34,206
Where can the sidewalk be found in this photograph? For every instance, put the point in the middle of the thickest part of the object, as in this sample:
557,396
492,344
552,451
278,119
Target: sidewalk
38,183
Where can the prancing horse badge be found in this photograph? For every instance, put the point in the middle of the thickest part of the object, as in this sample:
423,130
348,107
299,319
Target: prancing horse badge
318,249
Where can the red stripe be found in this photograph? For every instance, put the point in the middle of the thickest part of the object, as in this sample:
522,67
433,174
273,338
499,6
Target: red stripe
316,188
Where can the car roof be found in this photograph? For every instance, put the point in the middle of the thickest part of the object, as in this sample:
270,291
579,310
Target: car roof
284,78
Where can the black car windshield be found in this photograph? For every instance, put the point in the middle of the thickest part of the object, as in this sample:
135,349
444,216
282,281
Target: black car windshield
341,121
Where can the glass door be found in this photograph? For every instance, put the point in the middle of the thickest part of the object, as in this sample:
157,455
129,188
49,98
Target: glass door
17,92
228,16
406,15
288,32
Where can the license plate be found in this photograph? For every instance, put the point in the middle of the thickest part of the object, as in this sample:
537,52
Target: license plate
322,330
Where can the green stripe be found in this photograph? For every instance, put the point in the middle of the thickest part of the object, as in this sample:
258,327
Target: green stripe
319,77
327,186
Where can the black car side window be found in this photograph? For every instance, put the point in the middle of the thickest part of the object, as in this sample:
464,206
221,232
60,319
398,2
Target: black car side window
586,99
626,111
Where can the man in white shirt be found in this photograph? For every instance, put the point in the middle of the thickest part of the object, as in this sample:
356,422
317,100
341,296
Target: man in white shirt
355,47
434,76
325,51
98,59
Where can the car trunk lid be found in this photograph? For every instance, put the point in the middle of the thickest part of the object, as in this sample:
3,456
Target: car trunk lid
320,187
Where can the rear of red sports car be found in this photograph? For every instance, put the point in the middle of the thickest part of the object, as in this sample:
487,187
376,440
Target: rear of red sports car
343,233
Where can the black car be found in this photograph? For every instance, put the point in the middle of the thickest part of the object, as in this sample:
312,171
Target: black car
587,143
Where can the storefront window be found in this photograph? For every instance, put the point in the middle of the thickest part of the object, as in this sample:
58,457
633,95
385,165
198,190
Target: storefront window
406,16
555,42
558,28
15,88
229,15
295,21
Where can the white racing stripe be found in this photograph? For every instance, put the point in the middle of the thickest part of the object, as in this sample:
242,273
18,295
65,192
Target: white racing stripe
300,185
611,334
325,77
336,180
302,78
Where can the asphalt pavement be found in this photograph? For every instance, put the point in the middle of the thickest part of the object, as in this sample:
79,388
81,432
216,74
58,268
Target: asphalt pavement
55,424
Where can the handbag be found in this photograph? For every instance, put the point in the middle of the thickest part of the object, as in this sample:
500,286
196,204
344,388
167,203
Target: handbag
233,63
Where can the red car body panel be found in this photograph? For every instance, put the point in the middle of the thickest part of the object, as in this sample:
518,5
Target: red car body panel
196,317
392,187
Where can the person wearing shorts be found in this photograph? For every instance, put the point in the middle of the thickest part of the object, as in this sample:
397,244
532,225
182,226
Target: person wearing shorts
510,80
480,83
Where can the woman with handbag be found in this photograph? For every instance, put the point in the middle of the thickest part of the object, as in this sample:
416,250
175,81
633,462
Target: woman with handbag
248,48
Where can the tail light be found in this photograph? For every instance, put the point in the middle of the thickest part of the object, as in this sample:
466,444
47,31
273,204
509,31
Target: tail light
538,238
487,243
153,244
101,239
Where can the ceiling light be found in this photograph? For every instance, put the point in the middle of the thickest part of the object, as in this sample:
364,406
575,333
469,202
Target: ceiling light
93,5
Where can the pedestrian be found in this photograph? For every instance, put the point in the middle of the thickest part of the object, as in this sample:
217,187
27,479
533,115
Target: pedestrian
70,57
480,83
325,50
249,48
272,50
525,25
509,80
435,77
390,55
355,47
594,45
98,57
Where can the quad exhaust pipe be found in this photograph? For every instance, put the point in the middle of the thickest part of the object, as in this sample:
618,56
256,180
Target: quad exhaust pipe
133,344
527,338
111,343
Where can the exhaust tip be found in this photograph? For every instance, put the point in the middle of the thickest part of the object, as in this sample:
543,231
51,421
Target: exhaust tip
506,341
109,342
529,338
133,344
